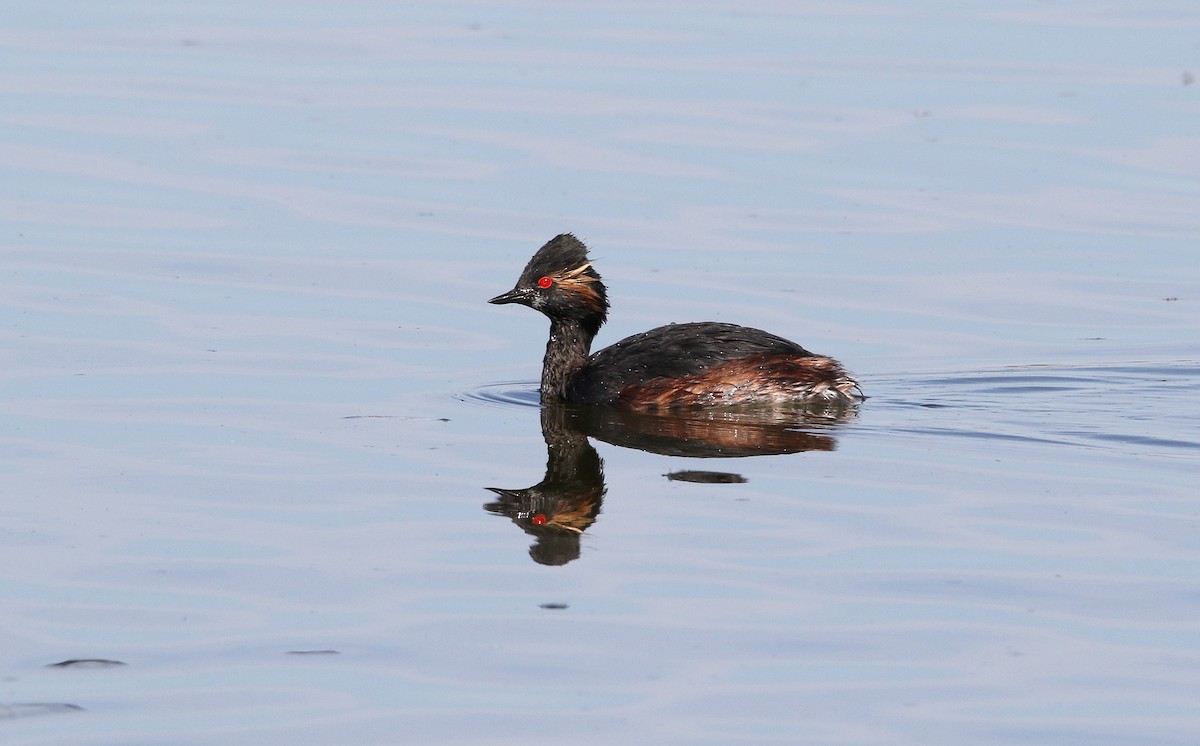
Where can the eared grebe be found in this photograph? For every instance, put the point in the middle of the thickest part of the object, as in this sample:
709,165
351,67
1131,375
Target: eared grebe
677,365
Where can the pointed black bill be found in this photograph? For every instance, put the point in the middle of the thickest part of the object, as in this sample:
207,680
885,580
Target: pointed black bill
516,295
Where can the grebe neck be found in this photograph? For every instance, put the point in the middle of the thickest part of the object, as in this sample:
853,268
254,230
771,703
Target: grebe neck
566,353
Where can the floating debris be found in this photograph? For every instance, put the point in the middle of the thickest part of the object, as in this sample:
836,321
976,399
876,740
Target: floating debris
705,477
86,663
25,709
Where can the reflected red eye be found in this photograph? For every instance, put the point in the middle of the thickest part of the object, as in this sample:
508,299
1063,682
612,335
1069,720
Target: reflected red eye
545,282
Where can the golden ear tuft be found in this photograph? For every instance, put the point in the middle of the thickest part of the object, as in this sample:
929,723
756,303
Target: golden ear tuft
574,274
577,284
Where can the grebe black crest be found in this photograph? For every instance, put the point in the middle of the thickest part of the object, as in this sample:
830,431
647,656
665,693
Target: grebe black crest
678,365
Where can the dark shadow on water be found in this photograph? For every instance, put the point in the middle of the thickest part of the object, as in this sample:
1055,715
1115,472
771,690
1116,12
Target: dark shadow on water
557,510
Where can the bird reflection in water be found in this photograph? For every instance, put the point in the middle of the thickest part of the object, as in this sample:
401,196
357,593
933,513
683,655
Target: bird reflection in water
558,509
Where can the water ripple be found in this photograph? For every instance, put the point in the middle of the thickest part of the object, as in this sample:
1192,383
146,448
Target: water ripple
518,393
1130,406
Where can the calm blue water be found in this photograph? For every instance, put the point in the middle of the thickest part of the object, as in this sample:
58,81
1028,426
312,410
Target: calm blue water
253,398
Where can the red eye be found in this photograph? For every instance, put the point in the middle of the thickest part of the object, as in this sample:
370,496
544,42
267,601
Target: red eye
540,518
545,282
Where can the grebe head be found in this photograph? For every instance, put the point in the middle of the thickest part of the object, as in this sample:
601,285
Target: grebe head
560,282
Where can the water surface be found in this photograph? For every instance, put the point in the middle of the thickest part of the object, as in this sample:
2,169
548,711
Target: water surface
254,399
